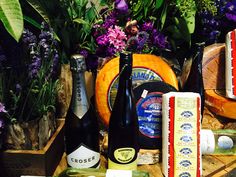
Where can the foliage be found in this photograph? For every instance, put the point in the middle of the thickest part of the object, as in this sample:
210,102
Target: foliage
71,20
181,23
12,17
29,82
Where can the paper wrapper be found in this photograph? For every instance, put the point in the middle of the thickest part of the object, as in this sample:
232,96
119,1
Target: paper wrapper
181,118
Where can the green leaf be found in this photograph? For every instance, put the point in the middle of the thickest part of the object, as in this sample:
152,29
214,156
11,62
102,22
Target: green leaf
163,16
32,21
39,8
190,21
80,21
12,17
91,14
159,3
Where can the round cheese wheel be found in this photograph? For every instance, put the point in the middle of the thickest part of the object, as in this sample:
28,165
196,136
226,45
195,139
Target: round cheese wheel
213,65
146,67
216,102
148,97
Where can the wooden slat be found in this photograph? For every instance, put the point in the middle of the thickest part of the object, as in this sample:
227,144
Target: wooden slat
211,165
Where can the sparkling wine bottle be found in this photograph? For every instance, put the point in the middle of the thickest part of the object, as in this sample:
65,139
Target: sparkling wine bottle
81,125
123,125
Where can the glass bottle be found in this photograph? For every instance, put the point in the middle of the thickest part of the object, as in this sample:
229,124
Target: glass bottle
123,125
194,83
218,142
81,125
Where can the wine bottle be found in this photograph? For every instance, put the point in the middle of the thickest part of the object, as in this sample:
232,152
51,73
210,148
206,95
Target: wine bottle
123,125
81,125
218,142
194,82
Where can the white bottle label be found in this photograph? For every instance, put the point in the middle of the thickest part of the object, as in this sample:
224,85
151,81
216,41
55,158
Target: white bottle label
118,173
83,157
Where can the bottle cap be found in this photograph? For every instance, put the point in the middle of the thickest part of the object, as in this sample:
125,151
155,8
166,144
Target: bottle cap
207,141
77,63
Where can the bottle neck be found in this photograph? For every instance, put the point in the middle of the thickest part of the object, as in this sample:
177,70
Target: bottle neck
79,100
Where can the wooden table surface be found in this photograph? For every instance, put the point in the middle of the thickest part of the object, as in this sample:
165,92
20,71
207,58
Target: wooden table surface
212,166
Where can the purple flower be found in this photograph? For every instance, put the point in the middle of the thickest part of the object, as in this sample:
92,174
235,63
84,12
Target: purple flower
29,39
117,38
34,67
2,108
158,39
231,6
110,20
103,40
147,26
230,11
110,51
121,6
84,53
230,17
142,39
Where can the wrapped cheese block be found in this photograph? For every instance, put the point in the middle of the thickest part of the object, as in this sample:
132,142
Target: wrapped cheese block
230,64
181,121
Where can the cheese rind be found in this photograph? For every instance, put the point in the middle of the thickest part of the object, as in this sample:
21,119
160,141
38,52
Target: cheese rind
219,104
150,67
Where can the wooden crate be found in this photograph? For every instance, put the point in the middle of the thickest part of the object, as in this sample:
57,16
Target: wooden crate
14,163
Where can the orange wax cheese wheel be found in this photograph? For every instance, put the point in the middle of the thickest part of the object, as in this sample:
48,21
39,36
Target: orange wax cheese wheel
146,67
219,104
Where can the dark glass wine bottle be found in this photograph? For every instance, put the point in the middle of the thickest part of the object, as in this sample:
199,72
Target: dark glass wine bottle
123,125
81,125
194,83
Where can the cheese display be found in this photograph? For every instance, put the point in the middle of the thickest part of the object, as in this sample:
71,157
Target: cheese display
230,64
216,102
146,67
181,153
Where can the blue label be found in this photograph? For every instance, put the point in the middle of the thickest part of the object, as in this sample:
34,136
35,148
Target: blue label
149,114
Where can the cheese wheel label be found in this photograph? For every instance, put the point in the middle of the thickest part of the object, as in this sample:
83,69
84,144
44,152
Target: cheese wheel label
139,75
149,114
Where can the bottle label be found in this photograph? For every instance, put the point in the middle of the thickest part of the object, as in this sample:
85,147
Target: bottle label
83,157
118,166
118,173
124,155
139,75
149,114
